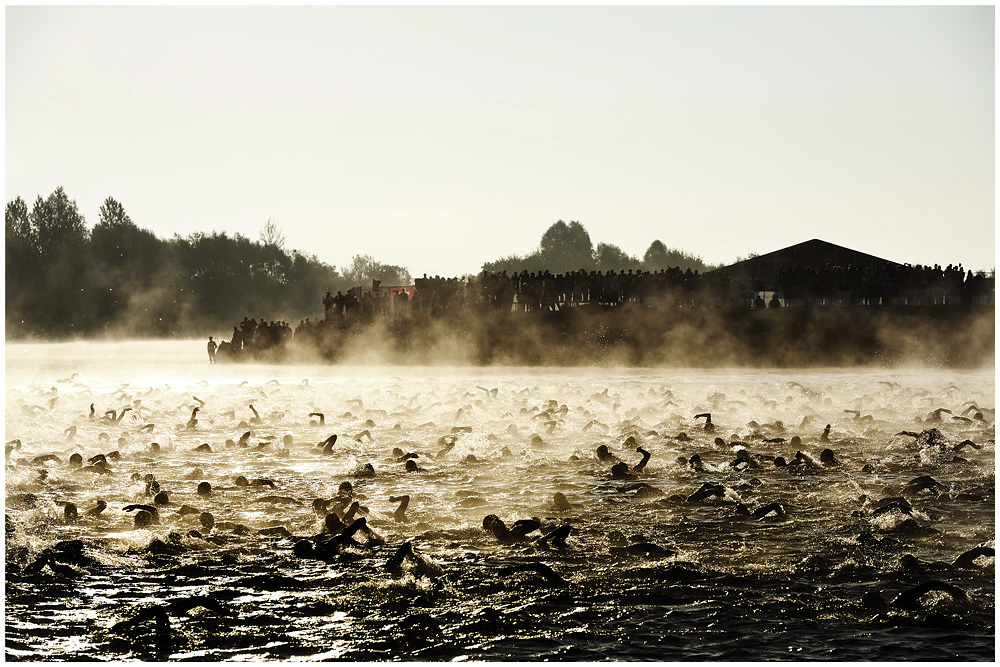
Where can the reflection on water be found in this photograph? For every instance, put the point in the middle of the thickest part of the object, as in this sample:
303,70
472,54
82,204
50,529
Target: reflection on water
652,569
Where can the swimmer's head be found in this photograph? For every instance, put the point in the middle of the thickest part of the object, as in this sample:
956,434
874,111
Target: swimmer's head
619,470
204,489
143,518
161,498
207,520
303,548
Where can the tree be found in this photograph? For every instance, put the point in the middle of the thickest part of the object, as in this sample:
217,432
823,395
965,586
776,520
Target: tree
270,235
659,256
566,247
364,269
58,226
610,257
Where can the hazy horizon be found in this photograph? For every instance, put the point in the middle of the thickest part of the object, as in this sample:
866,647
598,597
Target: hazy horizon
441,138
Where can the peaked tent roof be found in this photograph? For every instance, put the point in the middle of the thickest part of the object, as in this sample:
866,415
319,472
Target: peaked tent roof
814,253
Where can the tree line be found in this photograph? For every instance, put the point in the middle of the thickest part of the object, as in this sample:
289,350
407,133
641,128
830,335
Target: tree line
567,247
64,279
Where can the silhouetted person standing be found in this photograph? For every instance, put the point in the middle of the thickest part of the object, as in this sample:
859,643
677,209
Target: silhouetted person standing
328,302
211,350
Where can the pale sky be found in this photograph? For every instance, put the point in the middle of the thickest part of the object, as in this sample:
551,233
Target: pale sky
441,138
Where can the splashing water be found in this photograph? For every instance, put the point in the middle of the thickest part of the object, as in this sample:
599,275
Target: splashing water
651,570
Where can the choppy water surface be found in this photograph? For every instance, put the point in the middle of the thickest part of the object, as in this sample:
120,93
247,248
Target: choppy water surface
726,587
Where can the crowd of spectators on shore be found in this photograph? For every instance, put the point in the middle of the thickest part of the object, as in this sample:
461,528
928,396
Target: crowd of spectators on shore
437,297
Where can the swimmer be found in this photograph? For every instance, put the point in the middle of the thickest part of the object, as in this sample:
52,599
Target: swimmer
620,471
968,559
404,502
70,513
516,533
696,463
556,536
368,470
346,536
282,500
825,437
888,504
70,433
709,427
333,524
604,454
707,490
966,443
420,565
146,515
642,490
328,444
193,422
256,416
551,577
911,599
322,419
637,545
449,443
204,489
761,511
828,458
96,511
924,482
411,466
803,459
641,464
560,502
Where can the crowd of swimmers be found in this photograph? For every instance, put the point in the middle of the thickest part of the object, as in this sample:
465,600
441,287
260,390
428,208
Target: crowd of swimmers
343,526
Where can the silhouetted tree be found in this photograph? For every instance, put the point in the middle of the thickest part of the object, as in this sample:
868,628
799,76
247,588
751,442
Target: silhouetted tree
270,235
57,284
566,247
364,269
658,256
610,257
22,272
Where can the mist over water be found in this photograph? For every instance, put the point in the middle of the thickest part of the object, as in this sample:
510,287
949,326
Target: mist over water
725,586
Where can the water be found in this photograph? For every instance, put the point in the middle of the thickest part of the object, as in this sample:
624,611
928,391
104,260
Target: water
783,587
